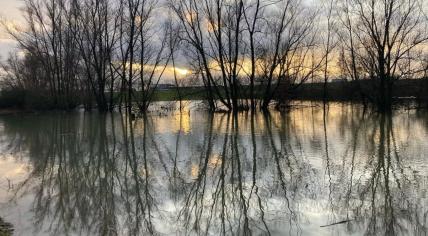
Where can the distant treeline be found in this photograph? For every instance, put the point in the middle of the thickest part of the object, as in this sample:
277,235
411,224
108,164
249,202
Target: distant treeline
414,89
409,89
113,53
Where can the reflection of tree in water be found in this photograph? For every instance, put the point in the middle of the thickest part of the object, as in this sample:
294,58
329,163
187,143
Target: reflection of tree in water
240,174
388,189
379,194
248,190
94,174
218,199
92,178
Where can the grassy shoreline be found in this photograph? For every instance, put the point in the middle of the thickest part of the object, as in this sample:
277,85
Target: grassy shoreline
339,91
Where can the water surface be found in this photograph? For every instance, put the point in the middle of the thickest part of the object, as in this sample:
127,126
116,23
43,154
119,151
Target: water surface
339,171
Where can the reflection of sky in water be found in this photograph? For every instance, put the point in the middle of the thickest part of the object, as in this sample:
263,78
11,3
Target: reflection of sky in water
194,173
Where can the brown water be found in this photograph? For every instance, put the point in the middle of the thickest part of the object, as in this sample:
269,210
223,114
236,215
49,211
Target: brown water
354,172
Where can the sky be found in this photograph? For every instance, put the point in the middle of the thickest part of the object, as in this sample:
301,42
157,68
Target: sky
9,11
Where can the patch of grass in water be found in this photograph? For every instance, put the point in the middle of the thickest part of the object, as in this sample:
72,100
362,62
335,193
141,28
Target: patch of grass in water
6,229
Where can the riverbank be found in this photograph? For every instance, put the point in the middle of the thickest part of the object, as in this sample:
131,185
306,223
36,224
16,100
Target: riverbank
353,91
14,111
336,91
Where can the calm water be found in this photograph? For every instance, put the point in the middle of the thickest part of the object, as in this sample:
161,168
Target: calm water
199,174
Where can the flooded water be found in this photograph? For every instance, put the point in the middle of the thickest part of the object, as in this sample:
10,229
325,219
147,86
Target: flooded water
340,171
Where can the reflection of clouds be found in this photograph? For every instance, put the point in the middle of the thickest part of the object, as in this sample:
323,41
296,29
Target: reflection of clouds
193,174
183,122
12,169
215,160
194,171
12,172
174,122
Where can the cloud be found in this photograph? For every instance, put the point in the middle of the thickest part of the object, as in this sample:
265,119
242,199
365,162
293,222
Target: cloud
9,12
11,9
6,46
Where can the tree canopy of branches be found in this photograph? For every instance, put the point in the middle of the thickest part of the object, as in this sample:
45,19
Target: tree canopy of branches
383,41
256,43
247,54
91,50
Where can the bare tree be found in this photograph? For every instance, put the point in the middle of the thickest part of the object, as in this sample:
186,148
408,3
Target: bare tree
49,40
96,34
383,36
173,44
214,30
289,41
329,44
143,55
239,43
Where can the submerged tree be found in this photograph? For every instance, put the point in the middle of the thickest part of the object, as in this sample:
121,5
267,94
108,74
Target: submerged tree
142,51
84,47
96,32
248,54
49,42
258,45
213,30
383,43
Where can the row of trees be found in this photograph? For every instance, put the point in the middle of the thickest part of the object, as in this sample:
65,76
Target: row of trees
90,49
246,53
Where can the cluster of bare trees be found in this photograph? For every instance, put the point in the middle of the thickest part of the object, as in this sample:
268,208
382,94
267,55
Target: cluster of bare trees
383,41
109,52
247,54
257,43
